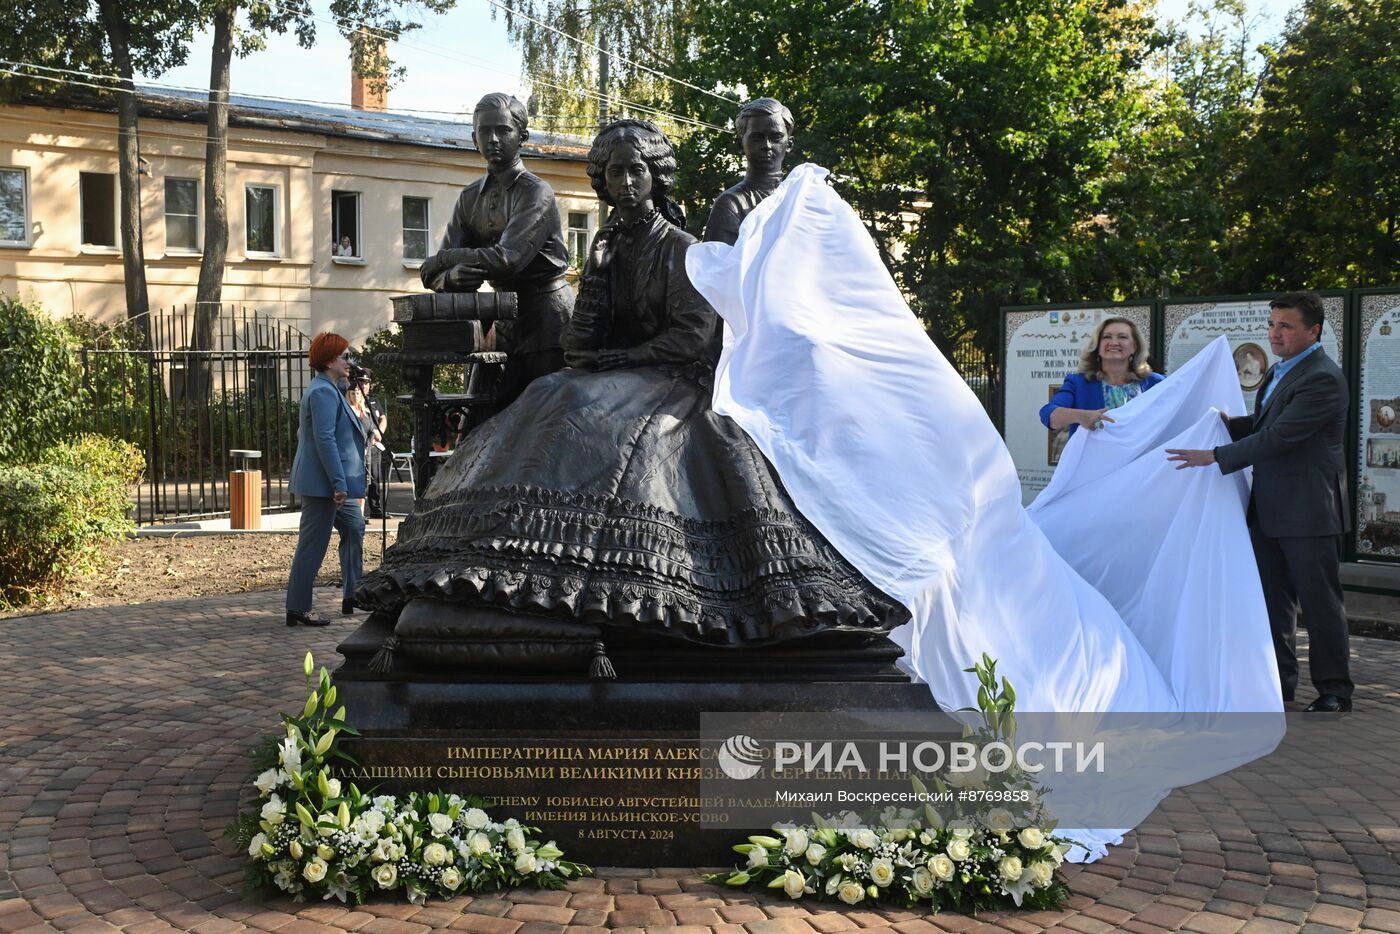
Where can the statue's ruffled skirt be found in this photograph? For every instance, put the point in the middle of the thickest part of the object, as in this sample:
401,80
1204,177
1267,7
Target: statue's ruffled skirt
622,498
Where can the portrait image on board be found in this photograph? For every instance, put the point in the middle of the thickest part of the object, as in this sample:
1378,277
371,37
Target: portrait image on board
1055,443
1251,363
1378,417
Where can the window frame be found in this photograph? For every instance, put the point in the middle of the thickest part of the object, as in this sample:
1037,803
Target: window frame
416,262
276,252
357,242
105,248
28,240
569,230
198,248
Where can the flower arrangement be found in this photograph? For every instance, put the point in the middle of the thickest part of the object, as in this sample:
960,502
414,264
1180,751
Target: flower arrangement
957,861
313,836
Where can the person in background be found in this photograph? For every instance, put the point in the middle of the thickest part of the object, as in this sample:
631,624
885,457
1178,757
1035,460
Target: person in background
344,248
379,424
1112,370
1298,504
328,474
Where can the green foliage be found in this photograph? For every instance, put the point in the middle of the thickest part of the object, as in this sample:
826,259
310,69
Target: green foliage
55,513
40,382
1320,174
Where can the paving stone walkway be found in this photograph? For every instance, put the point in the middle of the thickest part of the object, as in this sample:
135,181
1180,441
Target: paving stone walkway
123,742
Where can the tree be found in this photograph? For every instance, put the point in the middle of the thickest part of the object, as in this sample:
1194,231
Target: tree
367,24
119,37
1320,186
623,50
1168,204
972,137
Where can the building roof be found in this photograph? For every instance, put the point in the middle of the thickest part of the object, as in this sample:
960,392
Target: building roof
297,116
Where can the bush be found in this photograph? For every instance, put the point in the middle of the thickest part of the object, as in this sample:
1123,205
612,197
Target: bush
55,513
40,382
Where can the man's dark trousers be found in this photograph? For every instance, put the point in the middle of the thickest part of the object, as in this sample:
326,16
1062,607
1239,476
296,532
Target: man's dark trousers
1302,573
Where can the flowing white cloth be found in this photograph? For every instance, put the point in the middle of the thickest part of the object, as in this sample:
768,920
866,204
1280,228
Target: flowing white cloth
1127,586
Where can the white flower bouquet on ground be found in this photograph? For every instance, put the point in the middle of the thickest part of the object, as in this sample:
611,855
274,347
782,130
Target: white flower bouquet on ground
310,835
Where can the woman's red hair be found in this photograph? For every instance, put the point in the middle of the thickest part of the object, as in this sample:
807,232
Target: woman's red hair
325,347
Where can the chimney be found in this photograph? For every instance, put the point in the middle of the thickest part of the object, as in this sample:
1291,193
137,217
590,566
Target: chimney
369,93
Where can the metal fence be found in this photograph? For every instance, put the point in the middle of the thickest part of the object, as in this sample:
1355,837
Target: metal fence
979,370
187,391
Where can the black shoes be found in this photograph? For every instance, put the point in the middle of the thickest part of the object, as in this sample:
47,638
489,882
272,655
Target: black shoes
347,608
305,619
1329,703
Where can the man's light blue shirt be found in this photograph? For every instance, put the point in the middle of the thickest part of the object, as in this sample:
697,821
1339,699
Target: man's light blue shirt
1281,370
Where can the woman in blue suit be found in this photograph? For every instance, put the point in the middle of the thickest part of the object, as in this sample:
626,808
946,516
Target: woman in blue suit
328,473
1112,370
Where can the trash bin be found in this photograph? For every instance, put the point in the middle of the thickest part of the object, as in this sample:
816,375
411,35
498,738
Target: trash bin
245,491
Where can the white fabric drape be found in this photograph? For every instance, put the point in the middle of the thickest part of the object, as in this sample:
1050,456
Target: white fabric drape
1127,586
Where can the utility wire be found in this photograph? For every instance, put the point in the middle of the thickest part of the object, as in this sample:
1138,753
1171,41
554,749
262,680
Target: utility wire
621,58
361,116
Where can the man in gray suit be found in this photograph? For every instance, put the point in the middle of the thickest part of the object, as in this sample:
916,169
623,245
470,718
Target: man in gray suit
1298,506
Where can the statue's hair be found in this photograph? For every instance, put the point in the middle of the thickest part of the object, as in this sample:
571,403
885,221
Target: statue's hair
655,150
764,105
510,103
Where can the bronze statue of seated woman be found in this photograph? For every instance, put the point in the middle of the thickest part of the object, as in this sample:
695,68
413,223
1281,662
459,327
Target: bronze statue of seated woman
609,503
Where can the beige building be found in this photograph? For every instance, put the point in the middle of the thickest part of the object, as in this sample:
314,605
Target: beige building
331,210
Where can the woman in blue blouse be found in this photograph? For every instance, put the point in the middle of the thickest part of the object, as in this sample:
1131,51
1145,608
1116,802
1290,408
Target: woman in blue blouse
1112,370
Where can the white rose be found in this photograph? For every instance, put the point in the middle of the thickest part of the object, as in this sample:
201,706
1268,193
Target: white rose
942,867
922,881
999,820
440,823
475,818
266,781
435,854
793,883
1010,868
327,824
315,870
1042,873
1032,838
385,875
962,830
451,878
324,851
274,812
256,844
795,842
295,848
515,839
881,871
333,785
959,850
479,844
864,839
815,852
758,857
525,862
850,892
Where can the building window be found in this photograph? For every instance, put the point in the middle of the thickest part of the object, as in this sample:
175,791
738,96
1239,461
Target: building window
261,214
182,214
98,192
415,229
345,225
579,224
14,207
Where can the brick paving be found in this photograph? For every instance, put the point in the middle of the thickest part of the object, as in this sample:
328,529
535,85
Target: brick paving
123,742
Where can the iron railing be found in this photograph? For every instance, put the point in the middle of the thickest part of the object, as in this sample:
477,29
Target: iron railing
187,391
